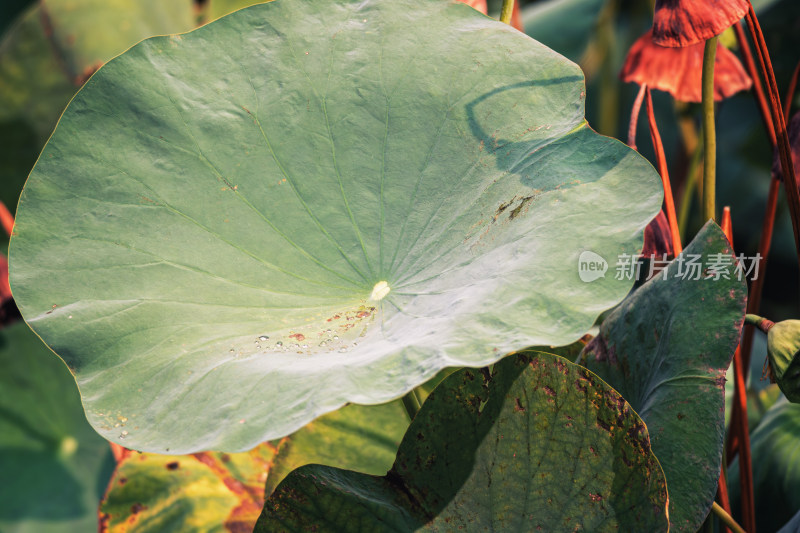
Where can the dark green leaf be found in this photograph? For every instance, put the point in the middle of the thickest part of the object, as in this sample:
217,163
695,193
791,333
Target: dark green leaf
775,448
541,444
666,349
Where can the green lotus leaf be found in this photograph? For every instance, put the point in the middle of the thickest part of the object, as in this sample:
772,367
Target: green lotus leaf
776,467
54,467
47,54
666,349
304,204
213,491
540,444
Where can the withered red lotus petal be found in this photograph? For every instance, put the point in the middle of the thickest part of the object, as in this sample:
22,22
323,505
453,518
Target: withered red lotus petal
679,71
687,22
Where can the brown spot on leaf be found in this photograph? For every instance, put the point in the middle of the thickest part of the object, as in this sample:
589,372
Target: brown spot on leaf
517,210
599,347
173,465
602,425
518,406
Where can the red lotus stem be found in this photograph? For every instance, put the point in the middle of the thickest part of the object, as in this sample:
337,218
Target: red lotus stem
740,409
787,105
758,89
722,496
726,225
661,161
516,18
757,285
745,458
779,124
637,107
6,219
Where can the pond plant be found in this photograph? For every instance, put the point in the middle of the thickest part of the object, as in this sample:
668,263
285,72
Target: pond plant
364,265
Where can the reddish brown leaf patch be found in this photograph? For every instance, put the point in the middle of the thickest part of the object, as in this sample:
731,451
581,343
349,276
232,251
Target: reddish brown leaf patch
679,23
678,71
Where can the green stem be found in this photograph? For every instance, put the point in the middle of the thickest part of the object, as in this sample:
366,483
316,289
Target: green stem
760,322
505,13
726,518
709,134
411,403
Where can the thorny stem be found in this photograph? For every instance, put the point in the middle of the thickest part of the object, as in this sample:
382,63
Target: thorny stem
661,161
758,89
767,226
726,518
637,106
739,424
507,11
745,458
709,134
784,150
764,244
411,404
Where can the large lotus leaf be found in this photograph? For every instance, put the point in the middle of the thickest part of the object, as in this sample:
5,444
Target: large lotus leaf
49,52
775,446
540,444
304,204
212,490
666,349
53,466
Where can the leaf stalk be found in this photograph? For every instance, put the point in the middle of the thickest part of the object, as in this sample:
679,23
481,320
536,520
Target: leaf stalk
709,133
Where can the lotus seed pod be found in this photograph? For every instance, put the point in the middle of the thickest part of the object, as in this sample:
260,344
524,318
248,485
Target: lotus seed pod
783,346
